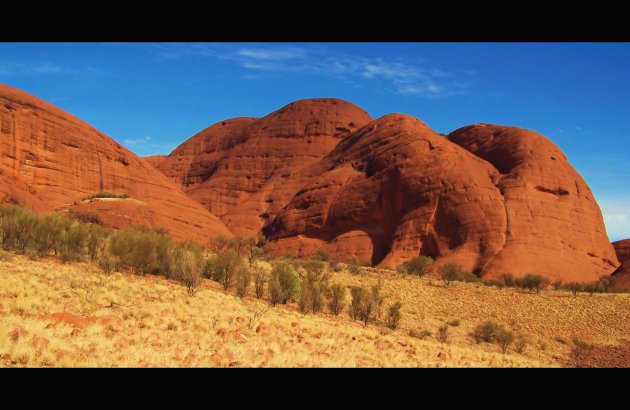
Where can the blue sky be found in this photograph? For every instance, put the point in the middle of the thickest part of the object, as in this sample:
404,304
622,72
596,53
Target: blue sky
151,97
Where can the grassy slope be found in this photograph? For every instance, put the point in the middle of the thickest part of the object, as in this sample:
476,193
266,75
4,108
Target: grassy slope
159,325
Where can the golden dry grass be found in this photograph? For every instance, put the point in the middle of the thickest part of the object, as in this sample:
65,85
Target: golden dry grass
156,324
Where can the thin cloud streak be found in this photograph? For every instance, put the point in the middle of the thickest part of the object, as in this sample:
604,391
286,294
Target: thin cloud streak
400,76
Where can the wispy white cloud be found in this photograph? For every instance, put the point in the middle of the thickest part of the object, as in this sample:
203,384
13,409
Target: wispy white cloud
278,54
9,68
47,68
136,141
401,76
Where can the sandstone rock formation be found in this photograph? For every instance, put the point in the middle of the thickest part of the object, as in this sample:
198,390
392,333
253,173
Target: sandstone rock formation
241,169
622,249
553,223
51,160
321,174
154,160
396,189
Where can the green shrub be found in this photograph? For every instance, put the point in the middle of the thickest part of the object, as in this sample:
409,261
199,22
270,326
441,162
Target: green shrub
260,277
337,295
521,344
313,287
284,283
557,285
322,255
97,237
532,282
419,265
574,288
377,298
354,269
105,195
108,263
422,334
187,265
450,272
361,305
243,280
508,279
442,334
607,283
504,339
74,245
394,315
494,282
225,266
142,251
486,332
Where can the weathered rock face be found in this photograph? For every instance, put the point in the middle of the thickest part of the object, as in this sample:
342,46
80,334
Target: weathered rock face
154,160
398,190
242,169
51,160
622,249
554,225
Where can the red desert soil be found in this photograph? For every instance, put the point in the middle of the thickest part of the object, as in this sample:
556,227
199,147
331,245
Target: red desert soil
51,160
610,356
622,248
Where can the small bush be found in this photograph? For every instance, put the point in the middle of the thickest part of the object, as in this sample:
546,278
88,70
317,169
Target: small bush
337,295
394,315
354,269
322,255
607,283
284,283
225,267
468,277
260,277
557,285
442,334
486,332
574,288
105,195
508,279
243,279
450,272
420,334
108,264
521,344
532,282
419,265
494,282
453,323
579,352
73,247
362,305
337,267
311,298
504,339
141,250
187,265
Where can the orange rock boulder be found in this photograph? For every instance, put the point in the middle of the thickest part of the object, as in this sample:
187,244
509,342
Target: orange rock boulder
622,248
395,189
51,160
554,226
242,169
